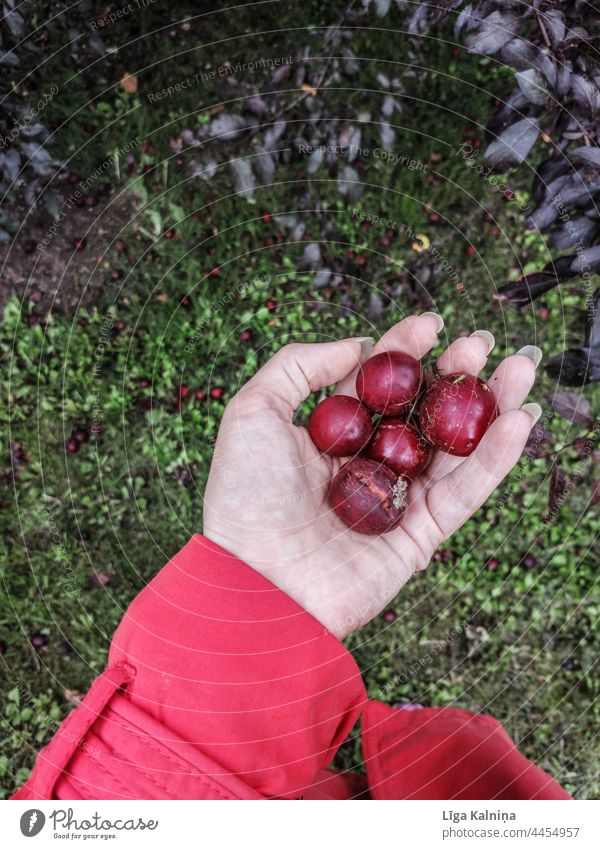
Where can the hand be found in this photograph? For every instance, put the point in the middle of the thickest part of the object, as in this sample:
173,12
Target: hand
266,498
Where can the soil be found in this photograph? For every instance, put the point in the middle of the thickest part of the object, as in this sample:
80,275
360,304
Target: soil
61,279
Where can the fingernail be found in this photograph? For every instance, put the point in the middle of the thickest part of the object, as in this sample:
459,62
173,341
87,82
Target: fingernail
366,346
532,409
439,320
533,352
489,338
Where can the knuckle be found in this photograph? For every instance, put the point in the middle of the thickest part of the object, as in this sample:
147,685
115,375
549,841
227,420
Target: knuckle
289,352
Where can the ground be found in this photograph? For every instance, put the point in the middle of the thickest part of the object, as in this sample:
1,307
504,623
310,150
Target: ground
109,421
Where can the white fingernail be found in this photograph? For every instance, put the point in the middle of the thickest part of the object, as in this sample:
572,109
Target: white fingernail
366,346
533,352
488,337
532,409
438,318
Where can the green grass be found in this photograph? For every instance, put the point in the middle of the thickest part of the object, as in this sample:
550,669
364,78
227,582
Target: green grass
131,496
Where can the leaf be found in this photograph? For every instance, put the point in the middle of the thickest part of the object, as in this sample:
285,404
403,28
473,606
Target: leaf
382,7
578,231
7,57
587,262
315,160
513,145
311,256
563,78
321,278
585,155
354,144
388,106
547,172
387,135
528,287
592,333
205,170
15,22
554,21
496,30
226,125
508,114
244,182
572,407
519,54
129,83
531,83
10,162
31,130
558,486
264,165
272,136
538,436
595,493
547,67
575,367
256,105
375,307
349,185
349,64
97,45
586,94
280,73
42,163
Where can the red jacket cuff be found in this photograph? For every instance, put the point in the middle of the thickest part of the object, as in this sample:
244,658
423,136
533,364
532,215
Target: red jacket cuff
228,663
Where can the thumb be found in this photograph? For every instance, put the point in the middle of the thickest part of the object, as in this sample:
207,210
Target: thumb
295,371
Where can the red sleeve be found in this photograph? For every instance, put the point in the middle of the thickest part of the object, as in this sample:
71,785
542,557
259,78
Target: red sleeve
447,753
218,686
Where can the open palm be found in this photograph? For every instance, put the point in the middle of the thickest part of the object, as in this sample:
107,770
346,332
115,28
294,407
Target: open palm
266,498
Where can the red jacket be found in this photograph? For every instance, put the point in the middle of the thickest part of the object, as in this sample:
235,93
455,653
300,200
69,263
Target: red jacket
219,686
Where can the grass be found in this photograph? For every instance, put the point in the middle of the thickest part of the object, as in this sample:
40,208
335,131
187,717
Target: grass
83,532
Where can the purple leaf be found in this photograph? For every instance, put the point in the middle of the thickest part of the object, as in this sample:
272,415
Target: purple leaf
587,262
531,286
508,114
585,94
311,257
538,437
575,367
244,182
554,21
227,126
315,160
531,83
579,231
519,54
256,105
592,334
585,155
280,73
513,145
495,31
563,78
387,136
273,135
572,407
375,307
349,185
264,167
558,487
